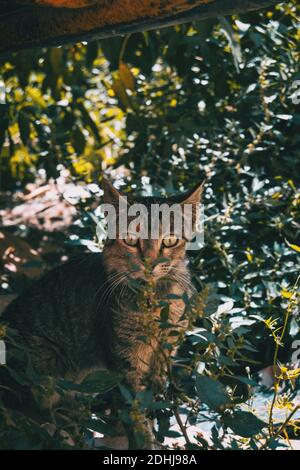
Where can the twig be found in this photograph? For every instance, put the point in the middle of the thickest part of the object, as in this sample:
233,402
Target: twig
181,425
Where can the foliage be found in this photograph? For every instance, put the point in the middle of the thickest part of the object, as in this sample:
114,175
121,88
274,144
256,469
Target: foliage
164,109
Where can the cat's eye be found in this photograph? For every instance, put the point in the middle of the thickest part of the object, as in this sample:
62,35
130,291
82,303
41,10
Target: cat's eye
131,239
169,241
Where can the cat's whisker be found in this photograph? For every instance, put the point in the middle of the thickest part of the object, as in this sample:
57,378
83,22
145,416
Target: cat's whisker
117,280
113,289
183,280
110,278
106,294
113,282
181,274
123,291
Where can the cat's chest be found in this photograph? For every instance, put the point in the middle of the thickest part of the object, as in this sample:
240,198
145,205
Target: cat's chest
135,326
140,313
139,339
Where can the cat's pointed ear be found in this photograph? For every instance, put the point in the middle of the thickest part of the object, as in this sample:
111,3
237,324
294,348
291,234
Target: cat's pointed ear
110,194
193,196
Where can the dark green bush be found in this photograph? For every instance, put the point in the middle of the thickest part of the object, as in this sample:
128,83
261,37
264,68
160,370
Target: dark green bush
216,100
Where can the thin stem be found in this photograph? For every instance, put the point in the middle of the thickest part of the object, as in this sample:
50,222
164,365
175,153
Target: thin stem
282,427
122,51
181,425
277,344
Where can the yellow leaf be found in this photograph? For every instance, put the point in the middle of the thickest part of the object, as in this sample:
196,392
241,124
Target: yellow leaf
111,93
291,374
120,90
21,161
126,76
286,294
292,185
83,167
56,55
294,247
249,255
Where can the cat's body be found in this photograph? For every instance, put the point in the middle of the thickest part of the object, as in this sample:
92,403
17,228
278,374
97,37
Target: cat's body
83,316
57,318
73,327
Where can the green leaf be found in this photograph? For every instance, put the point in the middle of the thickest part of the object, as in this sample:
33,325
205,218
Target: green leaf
89,122
244,423
126,393
99,382
100,426
245,380
78,141
24,127
164,313
160,405
212,393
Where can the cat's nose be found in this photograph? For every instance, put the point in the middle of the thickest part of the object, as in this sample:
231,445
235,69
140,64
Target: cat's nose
159,270
155,270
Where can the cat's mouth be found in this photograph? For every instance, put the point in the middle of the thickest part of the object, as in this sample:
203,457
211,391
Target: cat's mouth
140,279
154,276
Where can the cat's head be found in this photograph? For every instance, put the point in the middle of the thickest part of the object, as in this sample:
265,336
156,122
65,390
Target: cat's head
139,254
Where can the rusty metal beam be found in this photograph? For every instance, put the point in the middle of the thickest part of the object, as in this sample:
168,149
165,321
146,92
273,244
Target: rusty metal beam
35,26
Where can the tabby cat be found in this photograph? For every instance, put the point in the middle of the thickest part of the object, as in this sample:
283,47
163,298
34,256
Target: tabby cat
84,316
